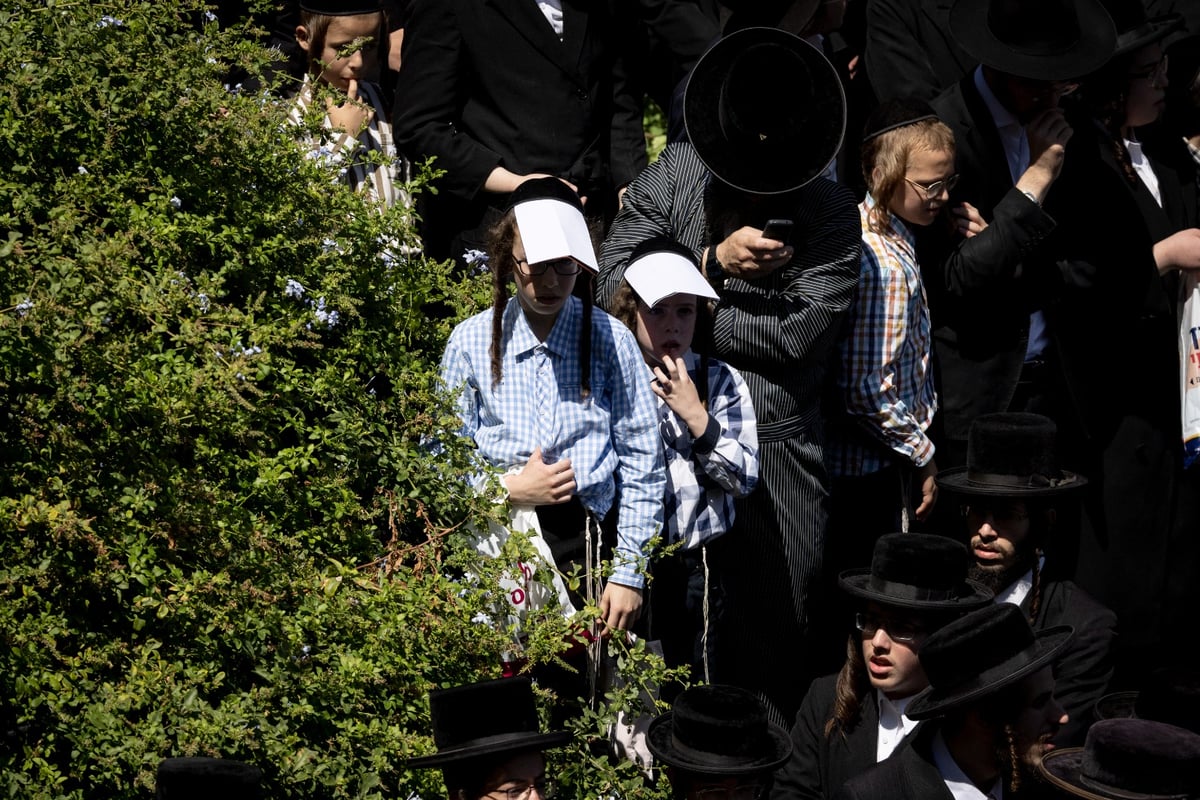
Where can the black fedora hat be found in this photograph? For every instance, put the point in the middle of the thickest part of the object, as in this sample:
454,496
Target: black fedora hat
485,719
764,111
917,571
1128,759
1050,40
1170,695
199,778
979,654
1010,454
718,730
1135,28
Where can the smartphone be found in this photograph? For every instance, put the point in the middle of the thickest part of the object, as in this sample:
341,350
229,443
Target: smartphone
778,229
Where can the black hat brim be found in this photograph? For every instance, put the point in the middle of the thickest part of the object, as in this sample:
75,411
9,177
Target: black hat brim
1150,31
1116,705
956,480
664,748
969,26
934,702
495,745
816,145
1062,768
857,583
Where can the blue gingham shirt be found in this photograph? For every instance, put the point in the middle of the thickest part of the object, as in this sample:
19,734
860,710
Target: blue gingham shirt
610,436
705,475
885,377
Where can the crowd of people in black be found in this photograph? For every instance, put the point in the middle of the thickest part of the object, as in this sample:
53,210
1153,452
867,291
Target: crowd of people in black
886,343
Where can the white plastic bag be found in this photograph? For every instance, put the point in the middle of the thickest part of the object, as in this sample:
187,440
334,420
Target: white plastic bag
523,592
1189,365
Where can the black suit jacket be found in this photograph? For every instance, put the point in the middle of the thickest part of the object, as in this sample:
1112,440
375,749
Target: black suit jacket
487,83
982,290
909,50
1082,671
909,774
820,764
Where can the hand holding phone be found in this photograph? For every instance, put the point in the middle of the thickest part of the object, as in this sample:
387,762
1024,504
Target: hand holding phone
779,230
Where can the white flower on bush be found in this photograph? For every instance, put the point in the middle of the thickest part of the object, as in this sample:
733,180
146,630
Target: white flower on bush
203,302
294,288
176,203
108,20
83,170
24,307
326,316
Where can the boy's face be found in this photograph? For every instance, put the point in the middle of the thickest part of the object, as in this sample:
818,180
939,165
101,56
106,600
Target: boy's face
893,666
915,204
544,295
1039,718
667,328
350,49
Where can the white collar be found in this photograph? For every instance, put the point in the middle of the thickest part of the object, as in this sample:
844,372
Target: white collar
956,780
1021,587
893,724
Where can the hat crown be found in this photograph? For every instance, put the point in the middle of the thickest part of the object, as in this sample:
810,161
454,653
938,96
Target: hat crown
1014,450
918,563
1035,26
979,641
457,721
1142,757
723,721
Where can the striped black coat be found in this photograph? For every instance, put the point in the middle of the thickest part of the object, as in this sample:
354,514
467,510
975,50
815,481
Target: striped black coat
778,331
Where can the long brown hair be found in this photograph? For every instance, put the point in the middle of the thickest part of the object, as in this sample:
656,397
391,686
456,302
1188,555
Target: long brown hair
889,152
852,686
500,240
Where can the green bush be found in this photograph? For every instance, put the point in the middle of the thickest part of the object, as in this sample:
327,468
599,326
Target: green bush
230,499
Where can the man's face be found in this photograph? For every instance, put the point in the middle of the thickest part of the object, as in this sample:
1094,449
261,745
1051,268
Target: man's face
1026,97
999,540
716,787
892,665
1039,719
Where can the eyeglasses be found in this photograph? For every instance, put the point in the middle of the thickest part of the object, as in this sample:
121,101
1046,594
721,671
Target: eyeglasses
1154,73
748,792
902,632
545,787
932,191
562,266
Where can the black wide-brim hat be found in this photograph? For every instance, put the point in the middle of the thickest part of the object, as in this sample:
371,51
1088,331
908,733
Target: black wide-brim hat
1128,759
1048,40
765,111
980,653
1010,454
718,730
917,571
485,719
1136,29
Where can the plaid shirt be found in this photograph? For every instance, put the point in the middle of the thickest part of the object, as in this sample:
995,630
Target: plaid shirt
885,377
705,475
610,436
383,183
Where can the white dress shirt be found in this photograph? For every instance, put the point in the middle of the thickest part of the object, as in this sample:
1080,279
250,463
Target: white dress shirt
956,780
893,725
1020,588
1142,167
552,9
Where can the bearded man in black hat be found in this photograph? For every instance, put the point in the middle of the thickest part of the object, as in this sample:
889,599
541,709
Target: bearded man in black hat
489,743
988,287
991,702
851,720
1008,493
717,744
765,116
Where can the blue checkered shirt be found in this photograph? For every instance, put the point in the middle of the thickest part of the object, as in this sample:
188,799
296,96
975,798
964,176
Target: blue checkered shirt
610,436
705,475
884,376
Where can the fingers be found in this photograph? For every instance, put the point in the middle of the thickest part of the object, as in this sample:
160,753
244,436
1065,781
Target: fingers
352,89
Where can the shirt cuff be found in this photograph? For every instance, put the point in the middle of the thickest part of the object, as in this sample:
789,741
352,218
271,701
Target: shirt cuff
708,440
627,573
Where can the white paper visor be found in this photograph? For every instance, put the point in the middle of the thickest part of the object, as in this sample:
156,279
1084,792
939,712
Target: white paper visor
662,274
553,229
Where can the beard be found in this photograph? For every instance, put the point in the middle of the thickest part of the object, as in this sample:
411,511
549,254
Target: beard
1000,577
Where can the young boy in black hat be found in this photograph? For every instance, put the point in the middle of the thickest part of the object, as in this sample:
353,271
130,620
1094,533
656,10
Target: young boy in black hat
856,718
717,744
489,743
992,691
1008,491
